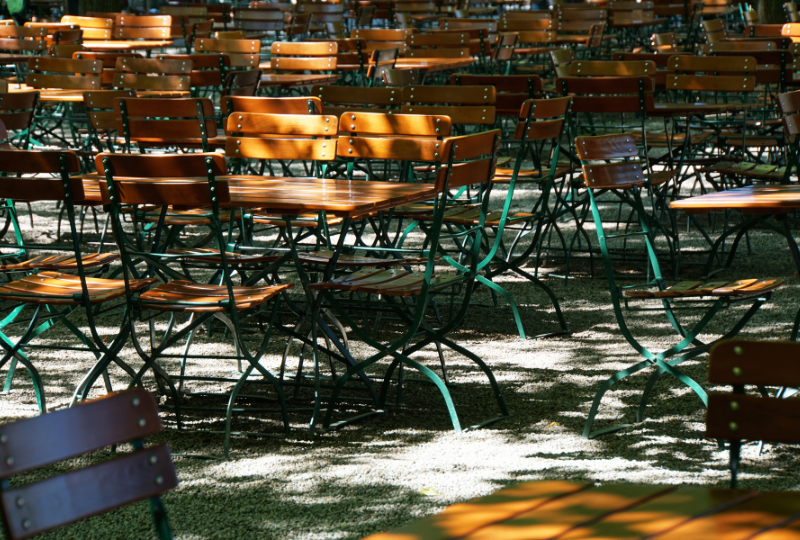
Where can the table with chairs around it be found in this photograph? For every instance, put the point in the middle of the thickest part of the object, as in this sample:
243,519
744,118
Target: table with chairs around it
330,179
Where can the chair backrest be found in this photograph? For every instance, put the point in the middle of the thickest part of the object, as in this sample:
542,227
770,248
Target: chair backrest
100,108
165,122
65,51
323,13
562,14
511,90
382,38
304,56
261,20
146,27
489,25
92,27
109,60
602,95
208,70
438,40
602,68
45,164
736,46
561,59
339,99
527,15
688,64
17,113
465,105
299,25
526,25
270,105
33,443
46,72
715,30
242,52
67,36
737,416
23,39
664,42
153,74
282,136
241,83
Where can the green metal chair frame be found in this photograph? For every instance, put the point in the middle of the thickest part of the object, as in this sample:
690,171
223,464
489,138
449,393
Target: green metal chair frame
626,177
232,306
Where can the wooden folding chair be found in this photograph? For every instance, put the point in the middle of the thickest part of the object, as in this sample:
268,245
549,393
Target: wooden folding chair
337,100
738,416
135,179
109,60
324,16
464,161
34,443
607,165
47,283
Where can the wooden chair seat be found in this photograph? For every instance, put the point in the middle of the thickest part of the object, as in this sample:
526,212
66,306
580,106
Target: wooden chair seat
55,288
394,282
502,174
195,297
186,217
353,261
61,262
746,168
696,289
208,255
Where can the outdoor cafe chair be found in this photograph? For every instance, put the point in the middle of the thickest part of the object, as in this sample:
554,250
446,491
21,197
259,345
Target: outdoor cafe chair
466,160
189,180
337,100
53,286
540,129
737,416
92,28
610,163
465,105
32,444
109,60
261,24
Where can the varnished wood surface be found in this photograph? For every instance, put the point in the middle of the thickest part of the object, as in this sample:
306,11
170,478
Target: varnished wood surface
11,58
749,199
575,510
291,196
76,96
433,64
126,45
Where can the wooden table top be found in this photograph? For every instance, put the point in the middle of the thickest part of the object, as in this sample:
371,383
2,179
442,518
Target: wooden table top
126,45
574,510
749,199
291,196
76,96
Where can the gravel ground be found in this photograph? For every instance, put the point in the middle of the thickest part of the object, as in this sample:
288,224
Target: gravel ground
391,469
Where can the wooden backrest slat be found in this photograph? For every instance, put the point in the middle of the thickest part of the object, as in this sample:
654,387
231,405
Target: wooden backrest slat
606,147
420,125
459,114
739,361
153,65
89,22
502,83
343,95
305,48
712,83
732,416
712,64
281,148
268,105
244,46
452,95
303,64
600,68
64,65
389,148
42,440
296,125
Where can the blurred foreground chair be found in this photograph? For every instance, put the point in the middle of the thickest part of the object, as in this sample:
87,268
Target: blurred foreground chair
31,509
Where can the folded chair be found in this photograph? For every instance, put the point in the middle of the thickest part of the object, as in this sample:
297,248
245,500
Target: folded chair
32,444
606,166
467,160
139,179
